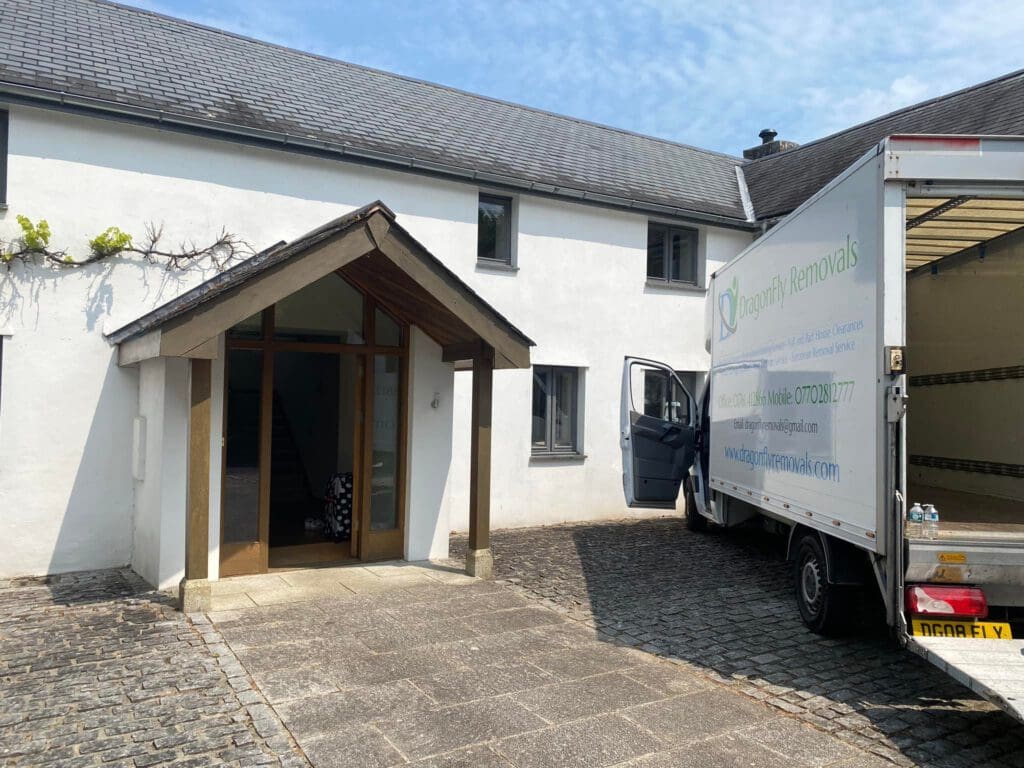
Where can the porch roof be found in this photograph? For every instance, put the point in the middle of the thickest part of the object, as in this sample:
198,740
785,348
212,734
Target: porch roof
367,246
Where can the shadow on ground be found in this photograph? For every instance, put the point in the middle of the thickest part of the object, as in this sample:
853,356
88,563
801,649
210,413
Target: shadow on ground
722,602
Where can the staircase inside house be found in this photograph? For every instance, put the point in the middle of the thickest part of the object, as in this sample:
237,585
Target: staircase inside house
291,498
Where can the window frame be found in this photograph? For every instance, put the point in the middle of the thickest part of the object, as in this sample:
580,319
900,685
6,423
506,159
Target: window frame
666,255
549,449
508,262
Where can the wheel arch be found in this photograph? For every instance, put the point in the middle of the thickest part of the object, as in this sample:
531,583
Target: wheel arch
845,564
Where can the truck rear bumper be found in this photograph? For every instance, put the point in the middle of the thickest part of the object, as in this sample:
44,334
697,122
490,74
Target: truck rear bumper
997,566
994,669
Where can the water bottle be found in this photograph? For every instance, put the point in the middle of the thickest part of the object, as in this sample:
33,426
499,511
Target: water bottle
931,522
915,521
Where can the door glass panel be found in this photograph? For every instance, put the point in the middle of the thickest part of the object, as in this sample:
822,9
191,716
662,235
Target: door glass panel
242,459
384,463
664,398
564,408
327,311
388,332
250,328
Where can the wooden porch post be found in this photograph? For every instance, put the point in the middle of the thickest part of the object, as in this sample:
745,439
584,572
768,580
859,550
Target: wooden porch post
479,561
195,589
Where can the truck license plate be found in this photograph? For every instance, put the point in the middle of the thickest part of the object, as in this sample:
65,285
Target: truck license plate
988,630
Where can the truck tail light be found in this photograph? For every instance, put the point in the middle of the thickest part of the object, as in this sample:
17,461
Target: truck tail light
936,600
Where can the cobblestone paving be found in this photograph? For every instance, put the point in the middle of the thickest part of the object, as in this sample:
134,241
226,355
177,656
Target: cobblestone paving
722,601
96,672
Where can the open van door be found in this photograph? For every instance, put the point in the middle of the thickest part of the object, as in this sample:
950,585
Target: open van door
658,431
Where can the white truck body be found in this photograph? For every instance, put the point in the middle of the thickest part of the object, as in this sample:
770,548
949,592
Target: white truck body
804,419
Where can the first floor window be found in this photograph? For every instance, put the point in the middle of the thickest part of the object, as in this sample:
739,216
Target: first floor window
555,409
671,254
4,120
494,229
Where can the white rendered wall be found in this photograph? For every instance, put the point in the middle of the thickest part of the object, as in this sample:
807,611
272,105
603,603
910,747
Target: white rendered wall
66,488
581,293
158,553
429,450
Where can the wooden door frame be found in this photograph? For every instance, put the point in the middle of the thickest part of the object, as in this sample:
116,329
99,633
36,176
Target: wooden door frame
366,544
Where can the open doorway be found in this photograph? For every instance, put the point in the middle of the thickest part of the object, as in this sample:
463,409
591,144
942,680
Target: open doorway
314,432
312,449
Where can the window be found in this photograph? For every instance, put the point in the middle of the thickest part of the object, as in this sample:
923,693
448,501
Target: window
672,254
494,232
663,397
555,410
3,158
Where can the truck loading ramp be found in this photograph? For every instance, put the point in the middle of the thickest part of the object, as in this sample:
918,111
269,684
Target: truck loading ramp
994,669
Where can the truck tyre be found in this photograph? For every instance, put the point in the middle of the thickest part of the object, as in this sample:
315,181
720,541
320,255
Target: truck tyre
695,521
826,609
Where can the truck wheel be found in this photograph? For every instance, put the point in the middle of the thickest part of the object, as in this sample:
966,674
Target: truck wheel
825,608
695,521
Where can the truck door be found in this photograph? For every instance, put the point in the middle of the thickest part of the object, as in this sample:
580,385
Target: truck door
657,428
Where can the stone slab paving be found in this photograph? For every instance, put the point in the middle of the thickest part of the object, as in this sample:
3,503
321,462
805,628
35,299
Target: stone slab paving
413,664
719,605
97,671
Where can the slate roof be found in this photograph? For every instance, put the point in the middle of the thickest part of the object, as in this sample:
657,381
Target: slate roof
780,183
276,254
103,56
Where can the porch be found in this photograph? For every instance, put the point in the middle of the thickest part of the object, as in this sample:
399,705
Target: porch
333,353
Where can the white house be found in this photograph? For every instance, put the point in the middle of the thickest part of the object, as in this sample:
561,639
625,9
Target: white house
201,418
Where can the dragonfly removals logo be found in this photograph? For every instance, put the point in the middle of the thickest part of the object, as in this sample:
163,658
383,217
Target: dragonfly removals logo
727,303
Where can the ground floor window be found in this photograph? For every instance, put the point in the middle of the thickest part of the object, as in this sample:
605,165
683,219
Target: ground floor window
556,410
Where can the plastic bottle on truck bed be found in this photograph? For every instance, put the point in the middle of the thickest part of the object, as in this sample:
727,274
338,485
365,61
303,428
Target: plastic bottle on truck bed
915,521
931,522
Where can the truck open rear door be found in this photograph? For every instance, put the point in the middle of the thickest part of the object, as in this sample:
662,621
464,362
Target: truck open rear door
658,432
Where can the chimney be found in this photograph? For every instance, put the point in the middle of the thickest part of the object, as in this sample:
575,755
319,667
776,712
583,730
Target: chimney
769,145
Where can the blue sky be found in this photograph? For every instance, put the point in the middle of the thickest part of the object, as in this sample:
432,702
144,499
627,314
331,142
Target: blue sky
711,74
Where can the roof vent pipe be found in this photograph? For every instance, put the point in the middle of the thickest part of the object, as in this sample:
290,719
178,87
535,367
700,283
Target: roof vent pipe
767,135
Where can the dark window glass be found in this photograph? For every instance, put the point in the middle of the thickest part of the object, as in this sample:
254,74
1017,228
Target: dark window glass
327,311
387,331
672,254
656,251
250,328
682,256
494,231
242,441
3,157
555,410
384,469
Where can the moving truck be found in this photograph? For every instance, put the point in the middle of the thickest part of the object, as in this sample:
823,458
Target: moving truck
867,355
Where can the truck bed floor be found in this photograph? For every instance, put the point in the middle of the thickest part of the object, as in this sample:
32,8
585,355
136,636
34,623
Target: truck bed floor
964,515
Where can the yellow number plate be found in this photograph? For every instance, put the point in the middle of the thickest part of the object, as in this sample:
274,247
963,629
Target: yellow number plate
988,630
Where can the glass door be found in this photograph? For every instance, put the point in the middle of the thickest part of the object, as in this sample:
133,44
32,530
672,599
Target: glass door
315,433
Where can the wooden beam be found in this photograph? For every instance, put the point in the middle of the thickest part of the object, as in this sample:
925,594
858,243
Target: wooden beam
479,558
463,350
510,349
197,520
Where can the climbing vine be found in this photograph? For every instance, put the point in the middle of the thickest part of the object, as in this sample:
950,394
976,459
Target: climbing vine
34,243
